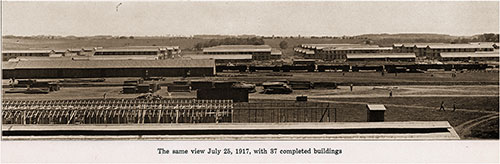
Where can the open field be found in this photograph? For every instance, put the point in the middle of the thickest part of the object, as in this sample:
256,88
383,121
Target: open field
425,93
13,44
472,103
356,78
372,78
485,130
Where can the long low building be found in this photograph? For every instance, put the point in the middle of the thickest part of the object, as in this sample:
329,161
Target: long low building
412,130
105,57
10,54
385,57
337,51
223,58
258,52
433,50
107,68
162,52
470,56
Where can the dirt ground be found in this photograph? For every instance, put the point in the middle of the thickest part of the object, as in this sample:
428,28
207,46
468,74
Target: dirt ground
371,78
341,92
476,105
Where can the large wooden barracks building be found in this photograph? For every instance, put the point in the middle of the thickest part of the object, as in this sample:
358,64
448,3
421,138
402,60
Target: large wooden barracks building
337,51
433,50
162,52
342,52
258,52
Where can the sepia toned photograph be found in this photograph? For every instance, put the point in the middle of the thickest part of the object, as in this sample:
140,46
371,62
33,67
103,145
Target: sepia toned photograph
250,71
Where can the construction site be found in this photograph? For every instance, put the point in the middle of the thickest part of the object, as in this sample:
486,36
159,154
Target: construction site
255,105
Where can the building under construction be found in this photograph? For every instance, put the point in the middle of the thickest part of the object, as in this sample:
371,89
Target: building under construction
200,119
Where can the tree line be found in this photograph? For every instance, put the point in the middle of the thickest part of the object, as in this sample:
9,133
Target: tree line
229,41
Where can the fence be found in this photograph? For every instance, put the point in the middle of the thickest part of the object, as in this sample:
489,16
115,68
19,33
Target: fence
276,112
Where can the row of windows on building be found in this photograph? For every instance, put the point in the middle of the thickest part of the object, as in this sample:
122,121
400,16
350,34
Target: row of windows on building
421,52
413,49
25,54
235,52
128,53
10,55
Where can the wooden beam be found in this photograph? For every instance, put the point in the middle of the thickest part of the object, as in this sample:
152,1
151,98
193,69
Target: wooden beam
71,117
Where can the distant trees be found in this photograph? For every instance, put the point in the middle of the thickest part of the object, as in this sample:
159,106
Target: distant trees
229,41
283,44
488,37
126,37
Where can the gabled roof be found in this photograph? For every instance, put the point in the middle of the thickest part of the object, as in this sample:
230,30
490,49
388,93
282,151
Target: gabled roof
9,65
27,51
380,55
94,64
129,50
221,57
60,50
75,49
147,47
469,54
372,107
359,48
99,57
450,46
275,52
323,46
397,45
304,51
403,130
418,45
238,48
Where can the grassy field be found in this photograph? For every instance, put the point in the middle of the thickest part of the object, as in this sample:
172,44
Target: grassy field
426,109
349,112
473,103
13,44
488,130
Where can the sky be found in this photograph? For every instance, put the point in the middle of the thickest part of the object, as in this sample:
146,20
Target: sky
285,18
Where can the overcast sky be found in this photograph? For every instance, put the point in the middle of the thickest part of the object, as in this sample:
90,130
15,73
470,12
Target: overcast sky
261,18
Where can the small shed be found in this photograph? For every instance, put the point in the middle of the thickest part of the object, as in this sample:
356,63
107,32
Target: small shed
375,112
